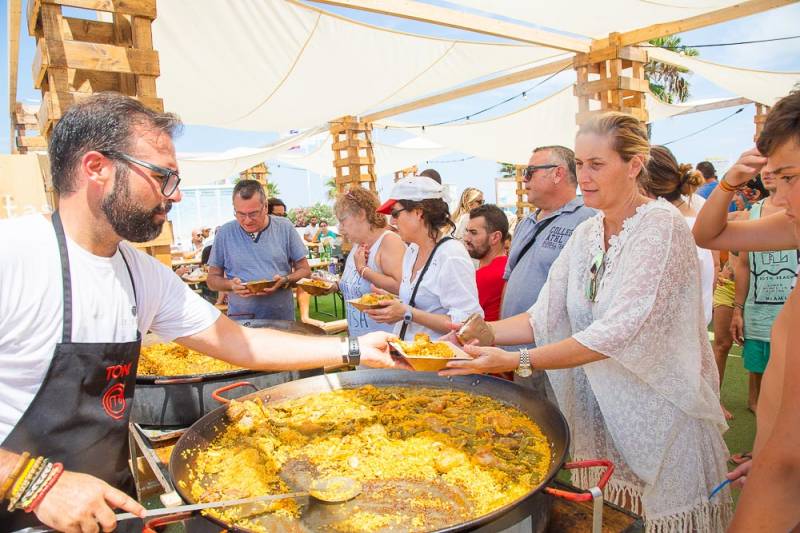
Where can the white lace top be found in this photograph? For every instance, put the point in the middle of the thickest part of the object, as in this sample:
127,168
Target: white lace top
653,406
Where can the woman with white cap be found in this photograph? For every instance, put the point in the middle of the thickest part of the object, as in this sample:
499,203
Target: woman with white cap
438,282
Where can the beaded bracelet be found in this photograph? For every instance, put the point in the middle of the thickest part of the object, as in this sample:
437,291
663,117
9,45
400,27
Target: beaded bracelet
22,483
35,486
727,187
58,469
21,462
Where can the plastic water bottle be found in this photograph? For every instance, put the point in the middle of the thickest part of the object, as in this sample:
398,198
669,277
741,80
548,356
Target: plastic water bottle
332,267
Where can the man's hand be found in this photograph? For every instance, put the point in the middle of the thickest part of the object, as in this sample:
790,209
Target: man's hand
84,504
239,289
739,474
737,326
486,359
748,165
375,351
280,283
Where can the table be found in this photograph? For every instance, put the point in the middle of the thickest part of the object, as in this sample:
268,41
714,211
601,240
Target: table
183,262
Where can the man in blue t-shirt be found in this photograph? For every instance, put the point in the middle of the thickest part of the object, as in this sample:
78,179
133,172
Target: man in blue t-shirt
257,246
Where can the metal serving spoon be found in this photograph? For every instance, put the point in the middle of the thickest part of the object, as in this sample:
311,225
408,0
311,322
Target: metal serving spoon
331,490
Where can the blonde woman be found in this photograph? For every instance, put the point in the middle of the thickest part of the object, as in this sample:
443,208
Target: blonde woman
619,328
470,199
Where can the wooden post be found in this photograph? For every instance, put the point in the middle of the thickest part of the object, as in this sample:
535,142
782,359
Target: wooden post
405,172
522,194
759,119
353,159
258,172
611,79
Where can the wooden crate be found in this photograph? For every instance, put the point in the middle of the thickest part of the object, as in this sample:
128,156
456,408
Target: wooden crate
160,246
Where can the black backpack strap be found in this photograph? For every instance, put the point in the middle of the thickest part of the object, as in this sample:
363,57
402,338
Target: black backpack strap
419,281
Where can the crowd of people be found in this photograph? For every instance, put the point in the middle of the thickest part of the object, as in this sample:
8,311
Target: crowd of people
600,301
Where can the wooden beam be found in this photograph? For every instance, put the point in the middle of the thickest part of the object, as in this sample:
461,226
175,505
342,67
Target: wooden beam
725,14
141,8
102,57
14,17
92,31
32,142
730,102
502,81
453,18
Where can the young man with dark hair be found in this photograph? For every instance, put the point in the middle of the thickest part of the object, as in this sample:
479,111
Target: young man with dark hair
275,206
75,300
485,236
772,490
710,175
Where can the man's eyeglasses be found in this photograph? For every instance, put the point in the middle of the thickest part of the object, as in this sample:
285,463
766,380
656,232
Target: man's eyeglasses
396,212
531,170
169,178
595,274
252,215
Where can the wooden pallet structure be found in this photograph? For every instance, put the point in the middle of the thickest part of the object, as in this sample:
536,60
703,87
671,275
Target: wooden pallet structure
353,157
25,125
405,172
257,172
77,57
523,206
759,119
611,79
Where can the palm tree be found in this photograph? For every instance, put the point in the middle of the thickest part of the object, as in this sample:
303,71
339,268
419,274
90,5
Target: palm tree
330,187
667,81
508,170
272,189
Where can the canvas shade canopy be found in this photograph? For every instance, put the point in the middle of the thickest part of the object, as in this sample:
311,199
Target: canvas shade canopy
273,65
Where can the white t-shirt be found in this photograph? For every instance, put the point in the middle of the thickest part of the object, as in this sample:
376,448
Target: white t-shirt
448,287
31,305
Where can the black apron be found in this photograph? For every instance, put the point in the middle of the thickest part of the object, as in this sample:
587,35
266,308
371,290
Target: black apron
79,416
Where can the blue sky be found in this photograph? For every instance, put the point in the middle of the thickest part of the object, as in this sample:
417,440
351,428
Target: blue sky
723,142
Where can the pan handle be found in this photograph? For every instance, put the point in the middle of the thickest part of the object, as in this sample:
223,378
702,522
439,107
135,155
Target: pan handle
584,496
220,399
151,525
173,381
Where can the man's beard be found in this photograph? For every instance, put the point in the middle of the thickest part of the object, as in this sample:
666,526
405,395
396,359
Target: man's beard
477,252
129,220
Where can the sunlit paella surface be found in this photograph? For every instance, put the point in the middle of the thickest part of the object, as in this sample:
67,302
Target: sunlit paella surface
171,359
426,458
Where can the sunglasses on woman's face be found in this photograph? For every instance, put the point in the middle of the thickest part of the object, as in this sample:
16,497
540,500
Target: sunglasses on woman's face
396,212
595,274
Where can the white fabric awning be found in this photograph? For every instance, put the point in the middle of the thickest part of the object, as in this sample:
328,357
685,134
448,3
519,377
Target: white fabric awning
757,85
273,65
510,138
203,168
596,19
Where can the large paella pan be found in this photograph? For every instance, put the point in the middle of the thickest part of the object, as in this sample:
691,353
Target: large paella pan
401,498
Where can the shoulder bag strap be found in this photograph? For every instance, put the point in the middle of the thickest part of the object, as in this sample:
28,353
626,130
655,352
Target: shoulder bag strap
419,281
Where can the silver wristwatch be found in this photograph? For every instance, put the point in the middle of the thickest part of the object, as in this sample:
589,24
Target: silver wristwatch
524,369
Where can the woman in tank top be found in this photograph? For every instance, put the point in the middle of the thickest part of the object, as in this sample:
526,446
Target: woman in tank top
376,258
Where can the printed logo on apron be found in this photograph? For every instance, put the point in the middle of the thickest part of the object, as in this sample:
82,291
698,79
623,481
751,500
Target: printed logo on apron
113,400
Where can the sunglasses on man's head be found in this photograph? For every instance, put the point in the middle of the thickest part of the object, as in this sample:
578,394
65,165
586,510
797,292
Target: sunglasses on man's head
530,170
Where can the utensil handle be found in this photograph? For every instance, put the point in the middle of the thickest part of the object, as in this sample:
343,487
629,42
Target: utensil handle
209,505
173,381
584,496
220,399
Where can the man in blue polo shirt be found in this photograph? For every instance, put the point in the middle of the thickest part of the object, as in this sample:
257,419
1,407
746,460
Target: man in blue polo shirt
550,182
256,246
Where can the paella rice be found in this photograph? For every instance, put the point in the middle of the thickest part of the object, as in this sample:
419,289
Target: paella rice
171,359
374,298
460,445
422,346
